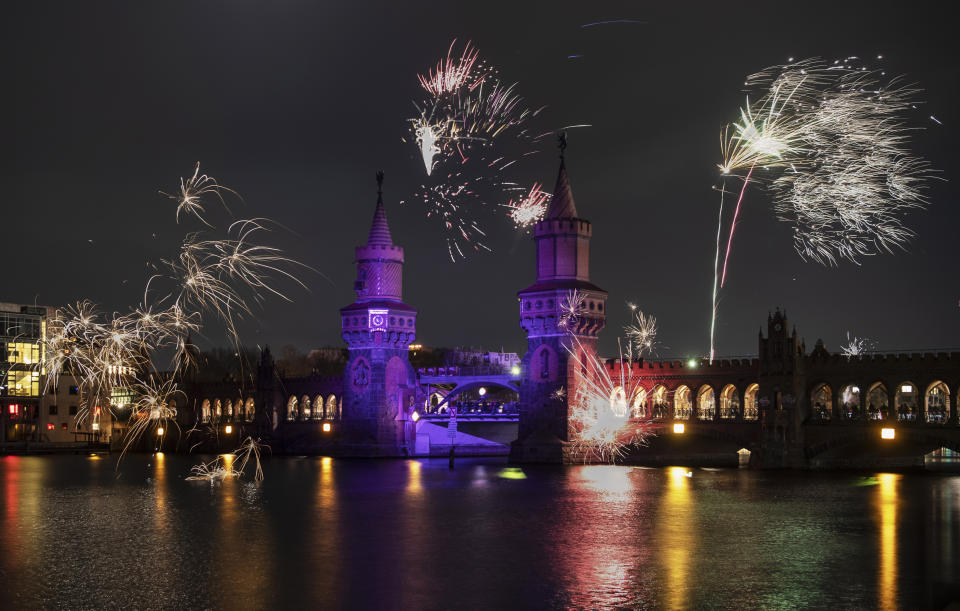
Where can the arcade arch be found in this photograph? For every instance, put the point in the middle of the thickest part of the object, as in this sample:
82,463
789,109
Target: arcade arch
729,403
906,401
706,403
937,402
682,403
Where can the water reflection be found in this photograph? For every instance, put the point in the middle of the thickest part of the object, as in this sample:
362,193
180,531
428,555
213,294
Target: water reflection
676,541
326,533
886,504
601,542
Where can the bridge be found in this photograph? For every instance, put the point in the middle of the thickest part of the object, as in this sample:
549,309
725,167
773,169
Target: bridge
441,384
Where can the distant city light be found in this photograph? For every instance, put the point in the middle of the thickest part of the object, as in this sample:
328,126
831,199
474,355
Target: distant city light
159,431
50,426
482,391
692,363
888,433
228,429
414,347
679,428
415,416
326,427
515,370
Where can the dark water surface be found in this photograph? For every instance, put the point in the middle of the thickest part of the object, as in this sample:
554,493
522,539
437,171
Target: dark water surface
327,533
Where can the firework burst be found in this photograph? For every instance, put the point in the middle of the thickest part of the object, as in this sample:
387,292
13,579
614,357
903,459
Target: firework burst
837,139
604,423
468,131
219,278
606,409
856,346
531,208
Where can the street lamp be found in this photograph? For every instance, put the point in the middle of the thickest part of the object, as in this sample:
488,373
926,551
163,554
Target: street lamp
888,433
678,428
515,370
326,427
159,431
228,429
415,416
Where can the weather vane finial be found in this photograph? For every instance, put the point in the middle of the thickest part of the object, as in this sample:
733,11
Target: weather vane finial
379,183
562,138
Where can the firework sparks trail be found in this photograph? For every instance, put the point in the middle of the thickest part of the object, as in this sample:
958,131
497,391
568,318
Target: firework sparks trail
642,332
230,465
856,346
193,190
604,423
733,226
531,208
427,136
716,262
218,277
453,74
572,307
837,137
606,409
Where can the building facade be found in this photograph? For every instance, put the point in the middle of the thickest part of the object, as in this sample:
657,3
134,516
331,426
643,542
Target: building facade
22,335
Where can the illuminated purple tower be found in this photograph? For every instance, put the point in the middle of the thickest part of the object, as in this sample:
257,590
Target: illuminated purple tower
563,270
378,380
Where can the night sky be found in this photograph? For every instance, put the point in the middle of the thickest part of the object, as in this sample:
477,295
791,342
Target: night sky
297,104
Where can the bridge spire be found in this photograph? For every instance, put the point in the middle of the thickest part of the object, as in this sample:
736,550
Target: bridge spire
562,205
379,229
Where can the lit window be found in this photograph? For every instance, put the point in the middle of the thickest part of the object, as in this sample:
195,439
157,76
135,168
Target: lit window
888,433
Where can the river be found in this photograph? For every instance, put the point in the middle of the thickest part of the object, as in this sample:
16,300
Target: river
86,532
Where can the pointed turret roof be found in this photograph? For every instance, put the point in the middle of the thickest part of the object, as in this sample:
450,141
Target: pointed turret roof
379,230
562,205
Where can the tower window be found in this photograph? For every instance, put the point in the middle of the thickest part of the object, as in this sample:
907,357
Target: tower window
545,364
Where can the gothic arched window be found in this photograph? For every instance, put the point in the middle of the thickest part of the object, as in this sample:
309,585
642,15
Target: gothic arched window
545,364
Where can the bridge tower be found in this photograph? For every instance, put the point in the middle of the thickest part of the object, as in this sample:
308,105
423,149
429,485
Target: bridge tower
549,374
378,381
782,393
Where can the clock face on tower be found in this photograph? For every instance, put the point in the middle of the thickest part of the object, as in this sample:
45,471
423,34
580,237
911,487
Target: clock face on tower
778,327
378,320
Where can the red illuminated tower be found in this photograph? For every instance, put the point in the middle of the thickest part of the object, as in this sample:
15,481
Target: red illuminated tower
563,266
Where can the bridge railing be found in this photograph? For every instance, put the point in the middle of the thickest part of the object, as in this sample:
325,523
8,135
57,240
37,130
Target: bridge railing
457,370
478,409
